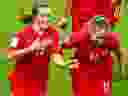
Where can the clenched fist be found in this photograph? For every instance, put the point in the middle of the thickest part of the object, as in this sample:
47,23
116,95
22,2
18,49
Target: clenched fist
36,45
45,43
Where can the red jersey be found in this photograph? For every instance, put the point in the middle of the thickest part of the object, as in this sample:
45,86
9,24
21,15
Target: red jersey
89,56
95,63
103,7
82,10
34,61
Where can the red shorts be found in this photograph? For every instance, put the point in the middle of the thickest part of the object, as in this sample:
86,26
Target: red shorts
92,88
87,87
28,86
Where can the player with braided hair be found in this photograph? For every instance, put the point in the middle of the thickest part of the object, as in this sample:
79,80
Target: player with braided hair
94,44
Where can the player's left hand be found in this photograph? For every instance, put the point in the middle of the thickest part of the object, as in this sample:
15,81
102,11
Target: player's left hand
74,66
46,42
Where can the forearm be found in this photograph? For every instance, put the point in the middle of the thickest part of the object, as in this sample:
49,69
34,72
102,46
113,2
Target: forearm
16,53
124,56
121,55
60,21
67,43
56,27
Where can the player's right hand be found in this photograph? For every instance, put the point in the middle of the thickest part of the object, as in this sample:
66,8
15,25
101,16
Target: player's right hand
74,66
35,45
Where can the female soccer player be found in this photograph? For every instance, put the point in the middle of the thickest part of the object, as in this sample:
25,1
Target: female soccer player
94,44
30,49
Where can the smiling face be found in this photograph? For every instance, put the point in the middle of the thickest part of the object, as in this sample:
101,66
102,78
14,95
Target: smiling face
40,23
98,29
101,28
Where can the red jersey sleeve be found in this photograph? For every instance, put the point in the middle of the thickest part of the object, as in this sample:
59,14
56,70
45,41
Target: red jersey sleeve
15,41
112,40
73,39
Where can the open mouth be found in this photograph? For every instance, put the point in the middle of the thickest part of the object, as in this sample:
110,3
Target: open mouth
99,34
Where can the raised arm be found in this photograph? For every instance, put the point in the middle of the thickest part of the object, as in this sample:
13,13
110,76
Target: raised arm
16,48
73,39
13,49
117,50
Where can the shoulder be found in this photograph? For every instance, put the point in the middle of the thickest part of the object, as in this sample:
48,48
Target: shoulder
112,36
51,29
26,30
112,39
79,36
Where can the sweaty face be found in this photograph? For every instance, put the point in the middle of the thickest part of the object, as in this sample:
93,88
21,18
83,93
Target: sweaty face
40,23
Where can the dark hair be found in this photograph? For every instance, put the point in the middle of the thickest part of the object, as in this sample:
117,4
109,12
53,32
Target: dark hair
28,20
101,23
34,11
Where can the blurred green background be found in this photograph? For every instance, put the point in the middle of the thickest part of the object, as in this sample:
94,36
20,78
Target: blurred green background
10,24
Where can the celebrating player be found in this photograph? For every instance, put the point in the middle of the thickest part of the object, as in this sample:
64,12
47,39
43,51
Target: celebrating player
30,59
30,49
94,45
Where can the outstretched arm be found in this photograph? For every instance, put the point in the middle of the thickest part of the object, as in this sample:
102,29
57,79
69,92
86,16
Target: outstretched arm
57,59
13,51
121,54
57,28
56,56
